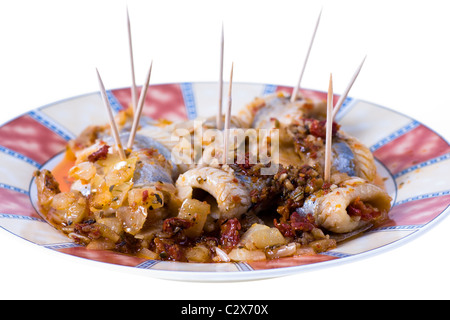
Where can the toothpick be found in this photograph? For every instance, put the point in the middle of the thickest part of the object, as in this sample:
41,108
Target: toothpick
228,118
133,77
140,106
347,90
329,131
297,88
112,122
219,112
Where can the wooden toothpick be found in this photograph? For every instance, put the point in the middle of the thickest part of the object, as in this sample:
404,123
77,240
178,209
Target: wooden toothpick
112,122
329,132
226,132
133,77
347,90
219,121
297,88
140,106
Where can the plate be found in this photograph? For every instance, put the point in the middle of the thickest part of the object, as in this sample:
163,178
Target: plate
412,159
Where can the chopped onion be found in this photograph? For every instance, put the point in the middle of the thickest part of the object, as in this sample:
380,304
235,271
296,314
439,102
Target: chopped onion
222,255
282,251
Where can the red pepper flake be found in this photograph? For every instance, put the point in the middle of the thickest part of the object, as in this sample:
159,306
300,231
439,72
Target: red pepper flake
168,250
326,185
174,225
318,128
229,233
88,229
145,196
285,228
297,222
302,223
100,154
363,210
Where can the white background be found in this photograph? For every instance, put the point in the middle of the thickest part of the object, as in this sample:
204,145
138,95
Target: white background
49,51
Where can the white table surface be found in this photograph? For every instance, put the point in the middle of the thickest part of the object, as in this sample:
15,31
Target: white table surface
49,51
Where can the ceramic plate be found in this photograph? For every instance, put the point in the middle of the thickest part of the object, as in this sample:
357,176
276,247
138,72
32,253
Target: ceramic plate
412,158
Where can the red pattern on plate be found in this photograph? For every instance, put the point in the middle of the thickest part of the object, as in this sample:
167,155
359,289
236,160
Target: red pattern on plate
16,203
103,256
31,139
162,101
290,262
417,212
416,146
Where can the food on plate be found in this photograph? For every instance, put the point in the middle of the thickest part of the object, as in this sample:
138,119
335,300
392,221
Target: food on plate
168,201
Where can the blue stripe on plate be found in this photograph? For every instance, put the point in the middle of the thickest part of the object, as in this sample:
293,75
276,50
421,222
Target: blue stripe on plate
147,264
51,124
269,89
6,186
115,104
336,254
243,266
423,164
394,135
19,156
424,196
19,217
346,106
403,227
189,99
65,245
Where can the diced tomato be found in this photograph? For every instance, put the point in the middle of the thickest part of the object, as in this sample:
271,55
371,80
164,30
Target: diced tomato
364,210
229,233
99,154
